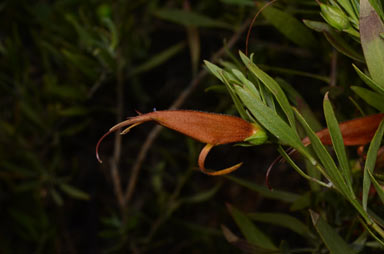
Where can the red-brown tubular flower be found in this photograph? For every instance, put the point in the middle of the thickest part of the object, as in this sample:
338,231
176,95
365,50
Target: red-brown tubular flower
356,132
212,129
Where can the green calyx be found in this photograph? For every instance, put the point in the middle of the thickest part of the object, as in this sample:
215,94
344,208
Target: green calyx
259,137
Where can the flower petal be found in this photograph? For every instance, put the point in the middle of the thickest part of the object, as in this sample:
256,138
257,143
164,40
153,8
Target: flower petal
203,154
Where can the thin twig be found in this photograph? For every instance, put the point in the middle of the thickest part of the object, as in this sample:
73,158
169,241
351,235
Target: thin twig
333,72
176,104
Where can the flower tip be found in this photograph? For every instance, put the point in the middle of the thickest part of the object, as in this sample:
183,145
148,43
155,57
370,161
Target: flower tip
98,145
98,158
126,130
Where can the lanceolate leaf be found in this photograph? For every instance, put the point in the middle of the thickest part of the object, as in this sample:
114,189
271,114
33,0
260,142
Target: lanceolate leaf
337,140
74,192
272,86
271,120
158,59
335,39
331,169
371,29
371,161
376,100
189,18
264,191
367,80
223,76
283,220
299,102
379,188
290,27
333,241
348,6
250,231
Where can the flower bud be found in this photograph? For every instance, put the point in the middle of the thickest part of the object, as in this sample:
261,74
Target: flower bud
335,17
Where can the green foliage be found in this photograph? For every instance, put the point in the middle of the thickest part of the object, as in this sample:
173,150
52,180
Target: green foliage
280,123
290,27
331,238
253,235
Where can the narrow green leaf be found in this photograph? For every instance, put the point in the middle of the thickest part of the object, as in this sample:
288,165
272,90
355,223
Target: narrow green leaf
267,98
239,106
298,169
337,140
229,79
247,83
248,3
264,191
74,192
29,185
333,241
335,39
347,5
271,120
194,47
250,231
189,18
76,127
273,87
81,62
378,187
376,100
28,223
294,72
243,244
282,220
371,28
223,76
32,114
343,46
74,111
158,59
300,103
85,37
56,197
306,111
202,196
367,80
329,165
114,35
303,202
215,70
63,91
317,25
290,27
370,162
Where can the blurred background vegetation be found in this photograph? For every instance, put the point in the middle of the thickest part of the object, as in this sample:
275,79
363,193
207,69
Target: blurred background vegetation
71,69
